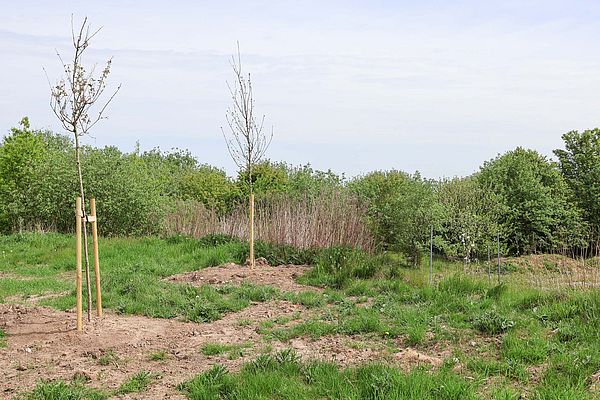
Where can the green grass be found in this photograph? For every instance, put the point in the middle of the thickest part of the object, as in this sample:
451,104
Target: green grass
233,351
158,356
545,344
137,383
108,358
2,339
60,390
132,272
283,376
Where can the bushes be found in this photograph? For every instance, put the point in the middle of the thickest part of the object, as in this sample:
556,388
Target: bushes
492,322
336,265
277,254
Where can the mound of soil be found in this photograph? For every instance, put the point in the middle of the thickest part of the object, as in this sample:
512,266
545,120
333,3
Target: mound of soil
42,343
282,277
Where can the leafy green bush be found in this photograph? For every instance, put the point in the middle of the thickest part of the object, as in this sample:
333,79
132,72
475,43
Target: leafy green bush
276,254
217,239
492,322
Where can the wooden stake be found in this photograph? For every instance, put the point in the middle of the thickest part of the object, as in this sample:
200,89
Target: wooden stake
94,222
252,230
431,256
78,264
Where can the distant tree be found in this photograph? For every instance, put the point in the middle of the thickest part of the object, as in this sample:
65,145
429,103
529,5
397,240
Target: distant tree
20,155
247,141
469,216
534,201
210,186
402,208
580,165
267,178
72,100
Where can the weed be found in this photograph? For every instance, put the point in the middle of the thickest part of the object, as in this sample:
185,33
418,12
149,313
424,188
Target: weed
59,390
108,358
137,383
158,356
492,322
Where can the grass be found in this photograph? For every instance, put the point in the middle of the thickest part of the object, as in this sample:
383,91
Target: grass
132,272
60,390
77,390
108,358
544,344
284,376
233,351
137,383
158,356
2,339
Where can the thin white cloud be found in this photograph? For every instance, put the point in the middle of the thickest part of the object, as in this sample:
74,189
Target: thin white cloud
354,86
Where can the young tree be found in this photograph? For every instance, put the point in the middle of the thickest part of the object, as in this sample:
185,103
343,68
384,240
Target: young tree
73,99
247,141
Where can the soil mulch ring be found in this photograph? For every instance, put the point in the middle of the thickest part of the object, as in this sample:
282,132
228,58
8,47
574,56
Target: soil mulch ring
283,277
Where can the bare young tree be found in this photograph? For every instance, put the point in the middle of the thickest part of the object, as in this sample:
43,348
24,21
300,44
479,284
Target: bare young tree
247,141
75,99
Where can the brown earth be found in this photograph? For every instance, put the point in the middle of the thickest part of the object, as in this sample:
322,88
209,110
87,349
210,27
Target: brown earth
282,277
43,344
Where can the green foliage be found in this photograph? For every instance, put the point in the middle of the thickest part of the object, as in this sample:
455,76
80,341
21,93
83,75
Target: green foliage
59,390
217,239
401,208
137,383
158,356
468,218
492,322
36,184
283,376
336,265
267,178
2,339
210,186
276,254
580,165
535,211
215,349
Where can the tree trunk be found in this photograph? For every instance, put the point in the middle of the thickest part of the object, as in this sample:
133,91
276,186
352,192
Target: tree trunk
251,229
85,238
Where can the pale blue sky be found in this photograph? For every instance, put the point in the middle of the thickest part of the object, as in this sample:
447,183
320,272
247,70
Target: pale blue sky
353,86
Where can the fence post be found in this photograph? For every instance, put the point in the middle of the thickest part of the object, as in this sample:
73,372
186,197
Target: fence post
489,263
78,222
431,256
498,257
96,257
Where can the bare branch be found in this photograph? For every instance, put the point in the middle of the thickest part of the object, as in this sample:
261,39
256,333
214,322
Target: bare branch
246,143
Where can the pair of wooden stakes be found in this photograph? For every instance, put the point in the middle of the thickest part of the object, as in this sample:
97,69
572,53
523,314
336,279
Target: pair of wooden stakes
80,219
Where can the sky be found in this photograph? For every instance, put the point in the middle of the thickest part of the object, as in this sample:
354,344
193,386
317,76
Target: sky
351,86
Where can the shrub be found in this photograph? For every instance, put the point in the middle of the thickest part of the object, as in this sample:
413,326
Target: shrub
491,322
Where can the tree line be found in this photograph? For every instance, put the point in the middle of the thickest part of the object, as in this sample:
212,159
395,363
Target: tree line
533,203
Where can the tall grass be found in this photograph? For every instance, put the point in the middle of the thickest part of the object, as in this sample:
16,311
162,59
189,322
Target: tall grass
329,219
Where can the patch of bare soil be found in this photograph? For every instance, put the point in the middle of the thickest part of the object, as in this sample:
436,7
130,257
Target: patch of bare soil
43,344
355,350
35,298
282,277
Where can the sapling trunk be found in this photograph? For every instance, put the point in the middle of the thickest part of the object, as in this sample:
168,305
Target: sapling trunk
84,228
